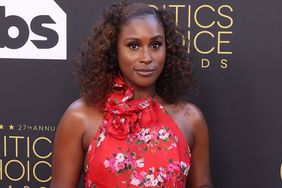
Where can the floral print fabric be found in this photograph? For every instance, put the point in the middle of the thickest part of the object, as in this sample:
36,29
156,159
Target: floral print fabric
137,145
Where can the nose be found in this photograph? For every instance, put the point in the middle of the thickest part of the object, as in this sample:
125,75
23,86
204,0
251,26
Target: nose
146,56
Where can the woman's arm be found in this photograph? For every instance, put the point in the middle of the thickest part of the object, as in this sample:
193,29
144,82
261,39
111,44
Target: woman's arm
68,153
199,175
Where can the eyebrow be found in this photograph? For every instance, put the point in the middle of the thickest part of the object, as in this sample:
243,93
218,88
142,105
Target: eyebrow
154,38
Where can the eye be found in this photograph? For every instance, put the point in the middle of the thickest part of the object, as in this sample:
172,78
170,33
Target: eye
156,45
133,46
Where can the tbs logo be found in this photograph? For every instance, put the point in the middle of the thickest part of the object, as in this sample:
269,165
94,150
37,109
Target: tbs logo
32,29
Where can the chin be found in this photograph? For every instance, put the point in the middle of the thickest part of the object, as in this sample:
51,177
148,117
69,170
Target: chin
144,82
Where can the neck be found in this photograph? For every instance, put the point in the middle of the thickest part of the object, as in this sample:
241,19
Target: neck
143,92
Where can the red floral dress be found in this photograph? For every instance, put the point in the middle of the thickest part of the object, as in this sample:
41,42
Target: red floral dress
137,145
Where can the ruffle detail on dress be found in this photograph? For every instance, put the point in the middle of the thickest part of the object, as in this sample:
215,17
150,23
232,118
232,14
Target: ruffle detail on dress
124,115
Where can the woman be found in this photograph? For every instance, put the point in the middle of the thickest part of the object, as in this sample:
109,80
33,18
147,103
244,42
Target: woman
130,128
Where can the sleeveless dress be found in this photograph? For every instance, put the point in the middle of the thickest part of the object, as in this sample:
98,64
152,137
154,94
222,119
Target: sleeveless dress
137,145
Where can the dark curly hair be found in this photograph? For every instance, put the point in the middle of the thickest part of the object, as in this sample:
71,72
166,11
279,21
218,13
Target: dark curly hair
97,63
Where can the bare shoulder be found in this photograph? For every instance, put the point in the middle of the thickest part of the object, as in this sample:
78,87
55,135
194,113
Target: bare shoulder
199,175
192,113
72,139
191,117
82,111
80,120
188,111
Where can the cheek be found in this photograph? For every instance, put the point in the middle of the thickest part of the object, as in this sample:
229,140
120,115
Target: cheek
161,58
164,56
162,61
125,58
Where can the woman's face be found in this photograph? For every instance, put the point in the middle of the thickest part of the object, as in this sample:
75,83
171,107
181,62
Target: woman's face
141,51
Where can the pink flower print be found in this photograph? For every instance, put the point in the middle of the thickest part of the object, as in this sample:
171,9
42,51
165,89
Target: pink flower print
144,104
170,167
122,120
147,138
162,171
145,130
133,164
112,164
106,163
121,166
137,178
120,157
121,162
116,166
101,138
143,173
140,163
135,181
184,167
126,98
162,131
175,165
155,182
160,179
159,176
163,134
152,170
149,178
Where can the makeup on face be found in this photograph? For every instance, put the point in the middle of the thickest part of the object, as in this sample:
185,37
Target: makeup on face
141,50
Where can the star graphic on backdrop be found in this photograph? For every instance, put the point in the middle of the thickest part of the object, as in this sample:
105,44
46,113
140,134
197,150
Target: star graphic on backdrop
11,127
1,126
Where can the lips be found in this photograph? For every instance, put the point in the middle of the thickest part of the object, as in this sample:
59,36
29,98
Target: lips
145,72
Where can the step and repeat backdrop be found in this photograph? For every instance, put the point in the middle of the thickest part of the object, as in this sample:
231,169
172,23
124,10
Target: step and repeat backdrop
236,48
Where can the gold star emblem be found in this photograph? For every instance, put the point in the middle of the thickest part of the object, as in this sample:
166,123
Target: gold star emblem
1,126
11,127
